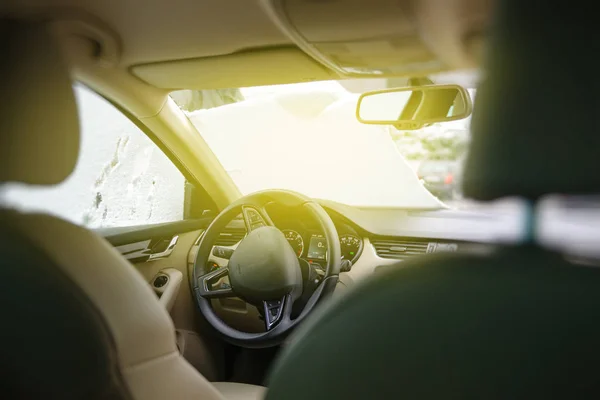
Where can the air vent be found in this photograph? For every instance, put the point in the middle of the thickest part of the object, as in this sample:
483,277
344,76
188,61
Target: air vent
230,236
399,249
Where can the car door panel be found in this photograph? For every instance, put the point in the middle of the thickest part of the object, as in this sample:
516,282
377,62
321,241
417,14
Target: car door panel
145,248
154,249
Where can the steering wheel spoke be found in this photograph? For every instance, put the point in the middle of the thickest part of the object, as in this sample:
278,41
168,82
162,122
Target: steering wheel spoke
205,284
255,218
275,311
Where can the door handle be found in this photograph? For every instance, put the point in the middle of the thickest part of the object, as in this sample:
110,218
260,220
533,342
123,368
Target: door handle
166,252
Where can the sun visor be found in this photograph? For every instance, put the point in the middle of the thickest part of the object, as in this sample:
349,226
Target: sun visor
535,126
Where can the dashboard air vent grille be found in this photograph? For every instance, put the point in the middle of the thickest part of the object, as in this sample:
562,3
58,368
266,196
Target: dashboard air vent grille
230,236
399,249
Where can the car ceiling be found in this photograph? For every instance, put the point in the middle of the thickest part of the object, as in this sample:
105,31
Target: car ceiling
206,44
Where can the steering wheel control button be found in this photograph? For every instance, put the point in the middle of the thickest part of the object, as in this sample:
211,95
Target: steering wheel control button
345,266
273,311
253,216
160,281
222,252
273,303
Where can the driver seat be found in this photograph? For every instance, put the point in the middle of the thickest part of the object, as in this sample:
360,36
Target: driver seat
83,322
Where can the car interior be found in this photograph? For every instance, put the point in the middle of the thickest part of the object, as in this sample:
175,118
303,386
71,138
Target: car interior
331,287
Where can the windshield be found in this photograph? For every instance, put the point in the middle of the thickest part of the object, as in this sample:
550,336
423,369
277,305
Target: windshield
305,137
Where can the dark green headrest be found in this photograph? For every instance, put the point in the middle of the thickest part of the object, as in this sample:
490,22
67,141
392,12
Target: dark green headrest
536,121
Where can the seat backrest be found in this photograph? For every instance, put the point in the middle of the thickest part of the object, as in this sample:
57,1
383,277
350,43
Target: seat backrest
51,330
79,321
521,324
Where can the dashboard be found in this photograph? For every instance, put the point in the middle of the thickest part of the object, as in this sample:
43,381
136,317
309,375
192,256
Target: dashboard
372,240
386,238
376,237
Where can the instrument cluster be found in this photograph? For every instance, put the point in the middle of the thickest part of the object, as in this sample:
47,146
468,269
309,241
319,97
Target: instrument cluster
312,246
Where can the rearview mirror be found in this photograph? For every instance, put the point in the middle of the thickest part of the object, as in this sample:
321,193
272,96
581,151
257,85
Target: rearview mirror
410,108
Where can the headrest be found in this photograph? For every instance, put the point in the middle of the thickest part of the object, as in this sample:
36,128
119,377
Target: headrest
536,120
39,128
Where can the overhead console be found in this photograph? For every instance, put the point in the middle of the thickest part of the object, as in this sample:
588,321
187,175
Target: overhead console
386,38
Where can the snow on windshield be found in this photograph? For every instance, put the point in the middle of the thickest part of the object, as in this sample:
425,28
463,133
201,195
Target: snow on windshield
306,138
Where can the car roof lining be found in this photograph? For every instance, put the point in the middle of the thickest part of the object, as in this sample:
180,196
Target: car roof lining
226,43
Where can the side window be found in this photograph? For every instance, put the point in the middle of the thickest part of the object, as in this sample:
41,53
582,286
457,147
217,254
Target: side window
121,179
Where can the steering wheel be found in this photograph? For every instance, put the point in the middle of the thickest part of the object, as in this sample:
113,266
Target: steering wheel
264,269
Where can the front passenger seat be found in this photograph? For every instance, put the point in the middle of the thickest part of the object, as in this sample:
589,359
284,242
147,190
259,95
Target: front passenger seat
79,320
522,322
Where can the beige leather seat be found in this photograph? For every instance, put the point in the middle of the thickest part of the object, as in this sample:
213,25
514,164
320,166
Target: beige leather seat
84,322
